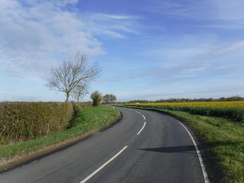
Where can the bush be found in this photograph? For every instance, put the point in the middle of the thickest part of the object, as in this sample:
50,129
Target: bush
96,98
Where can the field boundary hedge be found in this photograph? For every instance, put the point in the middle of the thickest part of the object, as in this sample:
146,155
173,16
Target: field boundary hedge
234,114
21,121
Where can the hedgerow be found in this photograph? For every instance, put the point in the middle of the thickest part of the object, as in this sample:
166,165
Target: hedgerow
20,121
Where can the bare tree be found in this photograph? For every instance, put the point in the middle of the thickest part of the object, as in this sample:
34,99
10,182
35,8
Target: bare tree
72,74
79,92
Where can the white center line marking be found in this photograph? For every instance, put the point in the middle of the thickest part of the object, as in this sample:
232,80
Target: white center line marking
138,112
143,117
142,128
205,175
101,167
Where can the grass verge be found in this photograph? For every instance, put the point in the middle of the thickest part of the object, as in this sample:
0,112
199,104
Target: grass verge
87,119
224,139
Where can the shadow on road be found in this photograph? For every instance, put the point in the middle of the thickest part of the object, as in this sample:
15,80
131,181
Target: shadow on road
172,149
189,148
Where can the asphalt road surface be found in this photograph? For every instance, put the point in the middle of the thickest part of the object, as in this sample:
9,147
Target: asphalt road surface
145,146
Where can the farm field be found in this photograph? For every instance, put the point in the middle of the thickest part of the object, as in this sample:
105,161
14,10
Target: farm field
233,110
225,104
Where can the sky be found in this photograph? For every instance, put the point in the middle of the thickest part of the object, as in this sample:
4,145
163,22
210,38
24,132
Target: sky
147,49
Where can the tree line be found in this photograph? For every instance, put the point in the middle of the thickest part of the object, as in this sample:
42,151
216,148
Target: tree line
97,97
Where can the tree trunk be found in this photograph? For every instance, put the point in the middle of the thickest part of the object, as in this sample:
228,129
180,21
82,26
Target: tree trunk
67,97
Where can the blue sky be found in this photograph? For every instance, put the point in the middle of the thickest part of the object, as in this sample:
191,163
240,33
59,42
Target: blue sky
147,49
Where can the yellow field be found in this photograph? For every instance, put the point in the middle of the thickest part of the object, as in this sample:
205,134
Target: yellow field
233,110
225,104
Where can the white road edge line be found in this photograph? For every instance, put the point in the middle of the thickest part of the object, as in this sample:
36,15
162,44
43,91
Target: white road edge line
142,128
205,175
101,167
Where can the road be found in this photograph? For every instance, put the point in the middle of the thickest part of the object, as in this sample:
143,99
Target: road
145,146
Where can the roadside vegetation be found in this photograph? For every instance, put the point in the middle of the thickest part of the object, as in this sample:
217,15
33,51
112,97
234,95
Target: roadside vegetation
96,97
21,121
233,110
85,119
222,136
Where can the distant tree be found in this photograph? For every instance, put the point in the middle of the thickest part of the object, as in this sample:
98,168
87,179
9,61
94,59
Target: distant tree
79,92
96,98
109,98
222,99
234,98
72,74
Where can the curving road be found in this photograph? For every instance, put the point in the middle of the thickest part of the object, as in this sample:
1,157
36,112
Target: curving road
145,146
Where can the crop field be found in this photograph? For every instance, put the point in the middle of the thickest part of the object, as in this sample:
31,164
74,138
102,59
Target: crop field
233,110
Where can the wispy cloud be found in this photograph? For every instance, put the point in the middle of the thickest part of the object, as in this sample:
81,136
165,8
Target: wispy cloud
220,14
202,64
229,10
228,49
33,40
111,25
180,9
226,15
200,10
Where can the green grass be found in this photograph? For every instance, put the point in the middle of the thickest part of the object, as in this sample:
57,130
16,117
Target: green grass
224,138
86,119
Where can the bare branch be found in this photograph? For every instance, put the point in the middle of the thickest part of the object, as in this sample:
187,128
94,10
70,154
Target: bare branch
72,74
79,92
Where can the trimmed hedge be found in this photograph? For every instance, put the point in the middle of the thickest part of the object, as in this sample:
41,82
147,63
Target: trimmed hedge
234,114
20,121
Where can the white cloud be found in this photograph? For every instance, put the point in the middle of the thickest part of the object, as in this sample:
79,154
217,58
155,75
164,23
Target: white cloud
37,34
